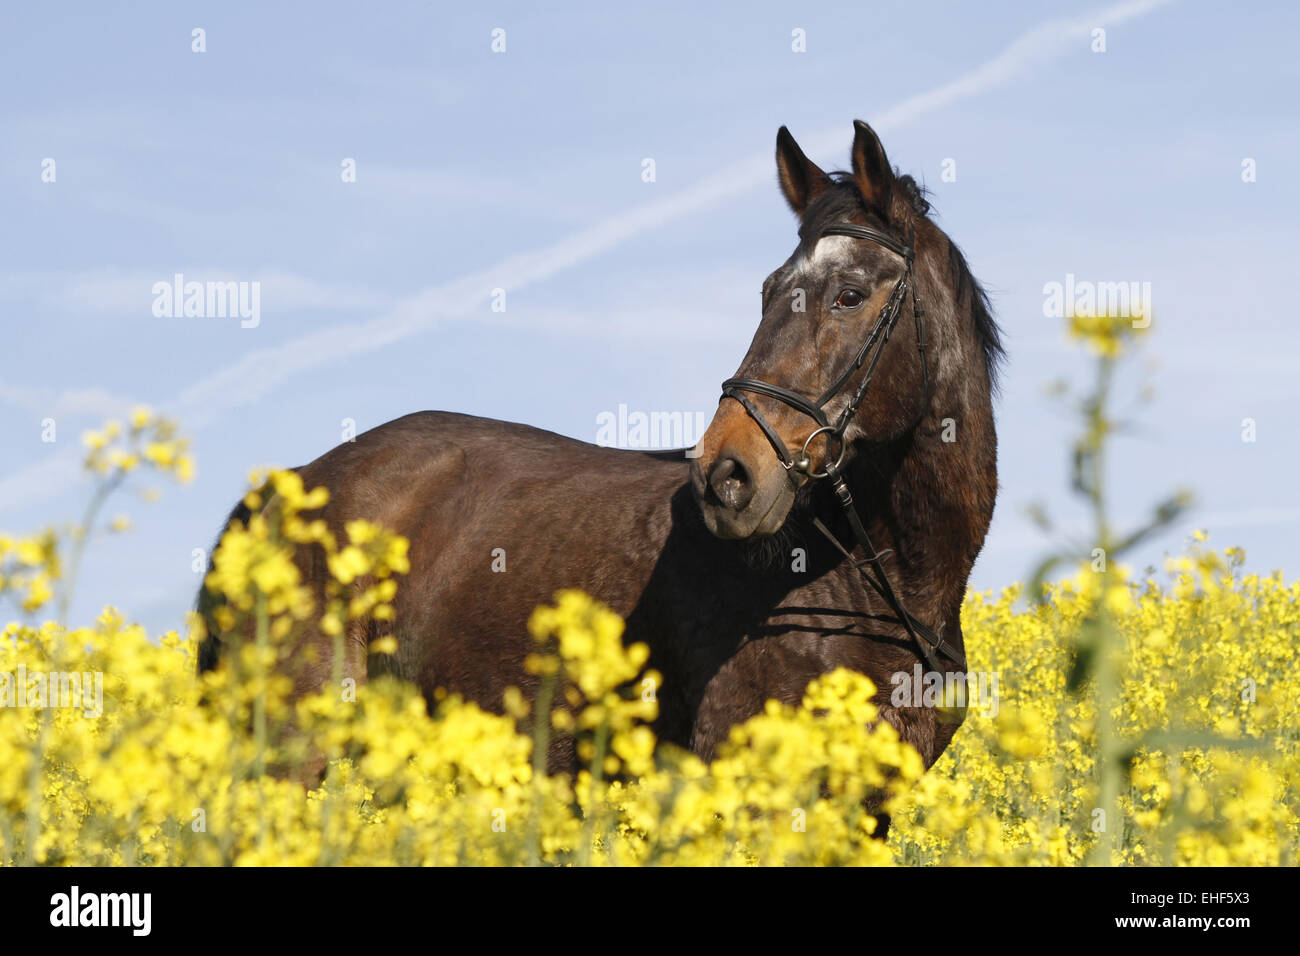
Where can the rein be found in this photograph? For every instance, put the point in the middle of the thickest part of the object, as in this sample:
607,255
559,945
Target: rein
929,643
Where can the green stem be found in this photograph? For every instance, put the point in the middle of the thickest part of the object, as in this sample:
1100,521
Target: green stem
263,631
1106,677
597,779
79,543
36,772
35,793
327,854
541,741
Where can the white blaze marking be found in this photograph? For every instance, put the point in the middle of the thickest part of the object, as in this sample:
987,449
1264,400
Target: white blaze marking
828,251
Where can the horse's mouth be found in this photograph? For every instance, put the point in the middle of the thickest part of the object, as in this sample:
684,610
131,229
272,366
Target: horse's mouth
754,521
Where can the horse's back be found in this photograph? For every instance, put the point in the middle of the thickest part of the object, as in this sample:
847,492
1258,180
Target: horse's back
408,472
410,445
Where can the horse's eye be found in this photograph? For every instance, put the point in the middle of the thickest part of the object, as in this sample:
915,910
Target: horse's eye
850,299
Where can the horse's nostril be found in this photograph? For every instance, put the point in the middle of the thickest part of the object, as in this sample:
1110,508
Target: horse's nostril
730,482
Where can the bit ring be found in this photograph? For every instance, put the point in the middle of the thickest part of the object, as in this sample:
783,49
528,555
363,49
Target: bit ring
805,461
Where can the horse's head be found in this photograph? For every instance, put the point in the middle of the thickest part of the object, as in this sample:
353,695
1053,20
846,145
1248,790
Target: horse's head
828,312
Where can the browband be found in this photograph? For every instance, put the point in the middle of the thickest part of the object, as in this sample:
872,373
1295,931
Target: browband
866,232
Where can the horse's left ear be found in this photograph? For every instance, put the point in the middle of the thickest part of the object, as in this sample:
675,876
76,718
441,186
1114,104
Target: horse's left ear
871,172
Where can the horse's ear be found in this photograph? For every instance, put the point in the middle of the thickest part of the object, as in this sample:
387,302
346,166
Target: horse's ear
871,172
801,179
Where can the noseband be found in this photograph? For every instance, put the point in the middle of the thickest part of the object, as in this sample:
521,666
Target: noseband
869,355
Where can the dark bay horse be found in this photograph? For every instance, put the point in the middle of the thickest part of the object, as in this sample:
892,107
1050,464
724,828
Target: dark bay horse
716,561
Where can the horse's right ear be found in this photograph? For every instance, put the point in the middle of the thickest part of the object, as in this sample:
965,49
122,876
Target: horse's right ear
802,180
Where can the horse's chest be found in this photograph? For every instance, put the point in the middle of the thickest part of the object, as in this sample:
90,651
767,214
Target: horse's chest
726,668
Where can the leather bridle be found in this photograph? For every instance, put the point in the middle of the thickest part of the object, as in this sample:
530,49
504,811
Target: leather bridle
930,644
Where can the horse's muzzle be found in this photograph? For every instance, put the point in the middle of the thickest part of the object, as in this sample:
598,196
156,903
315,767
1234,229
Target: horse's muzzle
738,499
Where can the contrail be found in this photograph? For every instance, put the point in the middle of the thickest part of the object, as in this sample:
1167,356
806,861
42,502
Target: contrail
264,369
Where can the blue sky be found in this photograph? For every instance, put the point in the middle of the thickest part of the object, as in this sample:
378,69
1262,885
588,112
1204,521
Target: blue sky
522,170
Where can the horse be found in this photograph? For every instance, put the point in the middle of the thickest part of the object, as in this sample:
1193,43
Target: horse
747,568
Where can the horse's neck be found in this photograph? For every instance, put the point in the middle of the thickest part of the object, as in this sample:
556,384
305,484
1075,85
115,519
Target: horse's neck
927,502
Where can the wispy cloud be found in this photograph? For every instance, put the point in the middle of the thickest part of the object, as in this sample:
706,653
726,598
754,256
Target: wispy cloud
263,370
438,188
124,292
49,402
